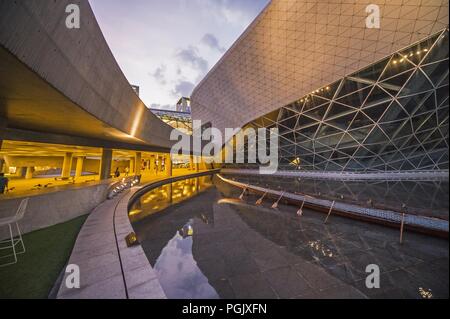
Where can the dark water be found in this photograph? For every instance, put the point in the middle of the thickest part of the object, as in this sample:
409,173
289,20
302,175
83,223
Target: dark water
215,246
428,198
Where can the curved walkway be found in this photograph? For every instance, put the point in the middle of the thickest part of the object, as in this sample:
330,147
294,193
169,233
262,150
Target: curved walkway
108,268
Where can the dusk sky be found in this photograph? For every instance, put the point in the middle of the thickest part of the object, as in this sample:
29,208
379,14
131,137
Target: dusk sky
167,46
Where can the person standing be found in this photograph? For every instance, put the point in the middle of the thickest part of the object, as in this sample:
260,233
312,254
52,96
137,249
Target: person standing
3,183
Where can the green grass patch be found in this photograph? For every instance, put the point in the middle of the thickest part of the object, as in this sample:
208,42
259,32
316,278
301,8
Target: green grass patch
47,252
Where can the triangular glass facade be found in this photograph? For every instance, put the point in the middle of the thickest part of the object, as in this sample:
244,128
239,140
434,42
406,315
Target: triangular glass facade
390,116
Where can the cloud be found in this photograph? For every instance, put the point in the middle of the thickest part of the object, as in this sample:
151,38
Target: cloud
160,74
191,56
183,88
211,41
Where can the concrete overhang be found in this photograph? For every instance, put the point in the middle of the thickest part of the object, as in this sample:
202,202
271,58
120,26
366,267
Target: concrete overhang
65,85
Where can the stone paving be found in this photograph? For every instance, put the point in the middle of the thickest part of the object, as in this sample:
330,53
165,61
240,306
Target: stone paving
248,251
109,269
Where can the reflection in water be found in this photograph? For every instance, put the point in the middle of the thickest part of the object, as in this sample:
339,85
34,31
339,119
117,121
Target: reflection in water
425,293
187,230
177,270
212,247
162,197
318,246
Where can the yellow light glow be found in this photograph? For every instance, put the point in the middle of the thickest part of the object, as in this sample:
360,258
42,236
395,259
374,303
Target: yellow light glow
137,120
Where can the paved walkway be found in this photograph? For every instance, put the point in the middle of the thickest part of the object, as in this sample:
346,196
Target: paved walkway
108,268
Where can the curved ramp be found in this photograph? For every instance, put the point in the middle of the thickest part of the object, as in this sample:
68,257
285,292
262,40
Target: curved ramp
66,81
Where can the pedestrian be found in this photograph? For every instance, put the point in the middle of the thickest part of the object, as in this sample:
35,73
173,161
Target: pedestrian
3,183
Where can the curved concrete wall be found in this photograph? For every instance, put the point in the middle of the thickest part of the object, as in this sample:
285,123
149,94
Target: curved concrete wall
297,46
78,63
54,207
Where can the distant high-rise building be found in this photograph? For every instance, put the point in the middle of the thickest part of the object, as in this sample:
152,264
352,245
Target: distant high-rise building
184,105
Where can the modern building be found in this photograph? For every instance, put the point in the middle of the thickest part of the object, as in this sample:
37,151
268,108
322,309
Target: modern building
184,105
108,211
68,115
177,119
343,96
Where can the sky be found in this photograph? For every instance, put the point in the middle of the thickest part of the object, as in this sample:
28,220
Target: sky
167,46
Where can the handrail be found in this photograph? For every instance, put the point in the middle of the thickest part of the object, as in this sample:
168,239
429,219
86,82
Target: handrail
152,185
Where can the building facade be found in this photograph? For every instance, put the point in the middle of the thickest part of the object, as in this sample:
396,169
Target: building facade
343,97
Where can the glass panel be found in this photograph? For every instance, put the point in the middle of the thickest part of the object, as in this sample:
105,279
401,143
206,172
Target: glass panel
376,112
373,72
377,96
417,83
361,120
436,71
350,86
355,99
397,65
439,51
338,109
394,112
412,103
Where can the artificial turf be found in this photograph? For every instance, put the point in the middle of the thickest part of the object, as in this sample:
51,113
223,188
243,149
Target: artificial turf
47,252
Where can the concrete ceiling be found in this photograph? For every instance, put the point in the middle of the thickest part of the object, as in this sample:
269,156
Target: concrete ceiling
28,102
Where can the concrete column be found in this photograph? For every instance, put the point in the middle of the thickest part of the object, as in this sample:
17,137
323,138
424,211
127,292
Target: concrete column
132,165
67,165
29,172
152,165
2,160
138,163
168,165
170,192
197,165
197,182
18,172
105,165
79,168
191,163
158,164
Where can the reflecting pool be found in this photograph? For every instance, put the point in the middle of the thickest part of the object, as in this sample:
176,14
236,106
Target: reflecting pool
213,245
426,198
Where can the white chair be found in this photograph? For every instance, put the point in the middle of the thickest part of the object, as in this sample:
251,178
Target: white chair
13,241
